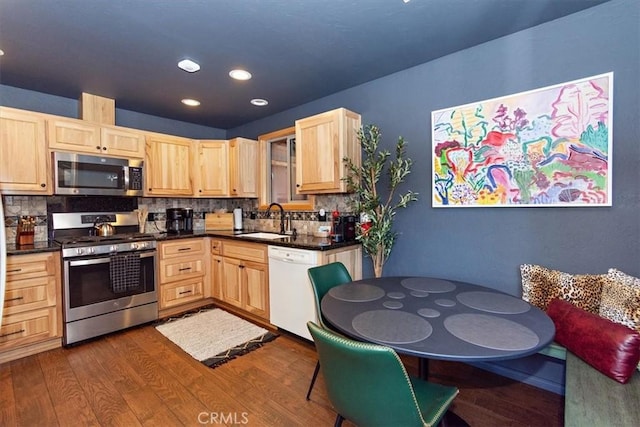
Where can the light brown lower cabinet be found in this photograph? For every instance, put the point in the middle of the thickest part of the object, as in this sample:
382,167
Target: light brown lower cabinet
32,317
240,277
183,275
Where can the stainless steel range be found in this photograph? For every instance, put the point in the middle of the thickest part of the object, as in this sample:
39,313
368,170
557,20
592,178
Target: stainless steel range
108,281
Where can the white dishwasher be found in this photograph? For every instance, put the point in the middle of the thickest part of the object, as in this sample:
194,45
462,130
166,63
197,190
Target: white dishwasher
291,299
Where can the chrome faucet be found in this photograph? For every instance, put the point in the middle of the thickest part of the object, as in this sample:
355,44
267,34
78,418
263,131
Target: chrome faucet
278,205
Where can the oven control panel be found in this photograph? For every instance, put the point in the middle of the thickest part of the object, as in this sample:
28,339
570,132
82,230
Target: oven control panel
110,249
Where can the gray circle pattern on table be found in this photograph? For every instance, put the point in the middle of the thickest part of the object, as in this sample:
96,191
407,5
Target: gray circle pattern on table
493,303
419,294
489,331
394,305
401,327
357,292
427,284
443,302
428,312
396,295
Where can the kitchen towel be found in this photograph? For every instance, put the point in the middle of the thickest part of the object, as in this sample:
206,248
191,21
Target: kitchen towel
124,270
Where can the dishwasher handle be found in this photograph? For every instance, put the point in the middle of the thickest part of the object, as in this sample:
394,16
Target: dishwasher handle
293,256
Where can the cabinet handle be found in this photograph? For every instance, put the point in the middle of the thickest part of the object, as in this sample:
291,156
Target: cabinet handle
12,333
97,147
185,292
241,266
13,299
184,249
43,185
184,269
15,270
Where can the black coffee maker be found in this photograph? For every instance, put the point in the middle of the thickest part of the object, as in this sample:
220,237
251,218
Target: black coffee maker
179,220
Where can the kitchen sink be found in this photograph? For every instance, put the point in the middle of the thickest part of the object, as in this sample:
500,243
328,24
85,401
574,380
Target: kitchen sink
262,235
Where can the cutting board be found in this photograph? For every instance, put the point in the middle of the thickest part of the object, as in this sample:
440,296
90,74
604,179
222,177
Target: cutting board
218,221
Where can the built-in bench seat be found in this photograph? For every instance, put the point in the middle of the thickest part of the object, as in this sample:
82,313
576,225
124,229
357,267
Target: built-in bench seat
592,398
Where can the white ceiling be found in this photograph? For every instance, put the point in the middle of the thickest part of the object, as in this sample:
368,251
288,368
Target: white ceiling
297,50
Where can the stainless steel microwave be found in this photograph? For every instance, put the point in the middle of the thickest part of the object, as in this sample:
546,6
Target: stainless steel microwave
79,174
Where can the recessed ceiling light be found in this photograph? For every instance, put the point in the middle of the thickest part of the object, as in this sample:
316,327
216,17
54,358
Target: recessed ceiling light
191,102
240,74
188,65
259,102
1,52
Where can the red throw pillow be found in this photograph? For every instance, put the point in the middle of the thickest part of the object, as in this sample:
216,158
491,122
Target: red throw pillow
609,347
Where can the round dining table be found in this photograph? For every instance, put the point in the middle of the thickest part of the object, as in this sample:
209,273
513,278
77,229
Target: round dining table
435,318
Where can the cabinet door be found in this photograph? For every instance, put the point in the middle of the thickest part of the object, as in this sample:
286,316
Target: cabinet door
24,160
212,161
217,277
168,166
232,271
74,135
256,299
28,327
322,141
243,167
122,142
181,292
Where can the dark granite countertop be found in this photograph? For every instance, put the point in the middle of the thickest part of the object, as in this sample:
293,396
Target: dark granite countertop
37,247
300,241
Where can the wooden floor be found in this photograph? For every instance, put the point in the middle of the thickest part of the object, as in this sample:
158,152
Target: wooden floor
138,377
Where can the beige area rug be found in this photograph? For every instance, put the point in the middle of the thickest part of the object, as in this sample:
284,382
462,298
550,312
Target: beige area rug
214,336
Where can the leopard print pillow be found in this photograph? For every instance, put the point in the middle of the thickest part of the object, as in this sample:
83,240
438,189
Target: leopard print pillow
540,285
621,299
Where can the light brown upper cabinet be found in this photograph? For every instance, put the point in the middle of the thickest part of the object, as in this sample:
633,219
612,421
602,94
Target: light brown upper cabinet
322,141
167,165
243,168
226,168
211,168
87,137
24,159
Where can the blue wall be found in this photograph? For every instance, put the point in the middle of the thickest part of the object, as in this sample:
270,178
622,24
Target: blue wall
60,106
487,245
480,245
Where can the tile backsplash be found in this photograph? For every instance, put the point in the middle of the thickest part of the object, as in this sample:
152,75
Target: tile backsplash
304,222
16,207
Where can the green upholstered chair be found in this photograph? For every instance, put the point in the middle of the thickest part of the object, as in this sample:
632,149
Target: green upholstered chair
368,385
323,278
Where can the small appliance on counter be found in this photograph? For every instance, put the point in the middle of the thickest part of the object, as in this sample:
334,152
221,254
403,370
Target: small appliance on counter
344,228
179,220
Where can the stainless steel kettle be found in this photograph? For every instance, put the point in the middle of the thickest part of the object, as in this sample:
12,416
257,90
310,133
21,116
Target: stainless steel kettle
103,228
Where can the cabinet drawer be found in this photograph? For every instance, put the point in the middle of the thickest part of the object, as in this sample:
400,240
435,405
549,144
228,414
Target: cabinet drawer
29,327
182,248
32,265
181,292
216,247
182,268
29,294
247,251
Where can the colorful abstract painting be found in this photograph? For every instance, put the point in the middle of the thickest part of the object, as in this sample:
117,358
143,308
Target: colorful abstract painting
545,147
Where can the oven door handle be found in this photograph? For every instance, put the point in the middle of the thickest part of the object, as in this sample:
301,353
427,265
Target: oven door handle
102,260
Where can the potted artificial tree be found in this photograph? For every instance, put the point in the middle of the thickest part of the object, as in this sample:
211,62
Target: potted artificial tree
377,209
